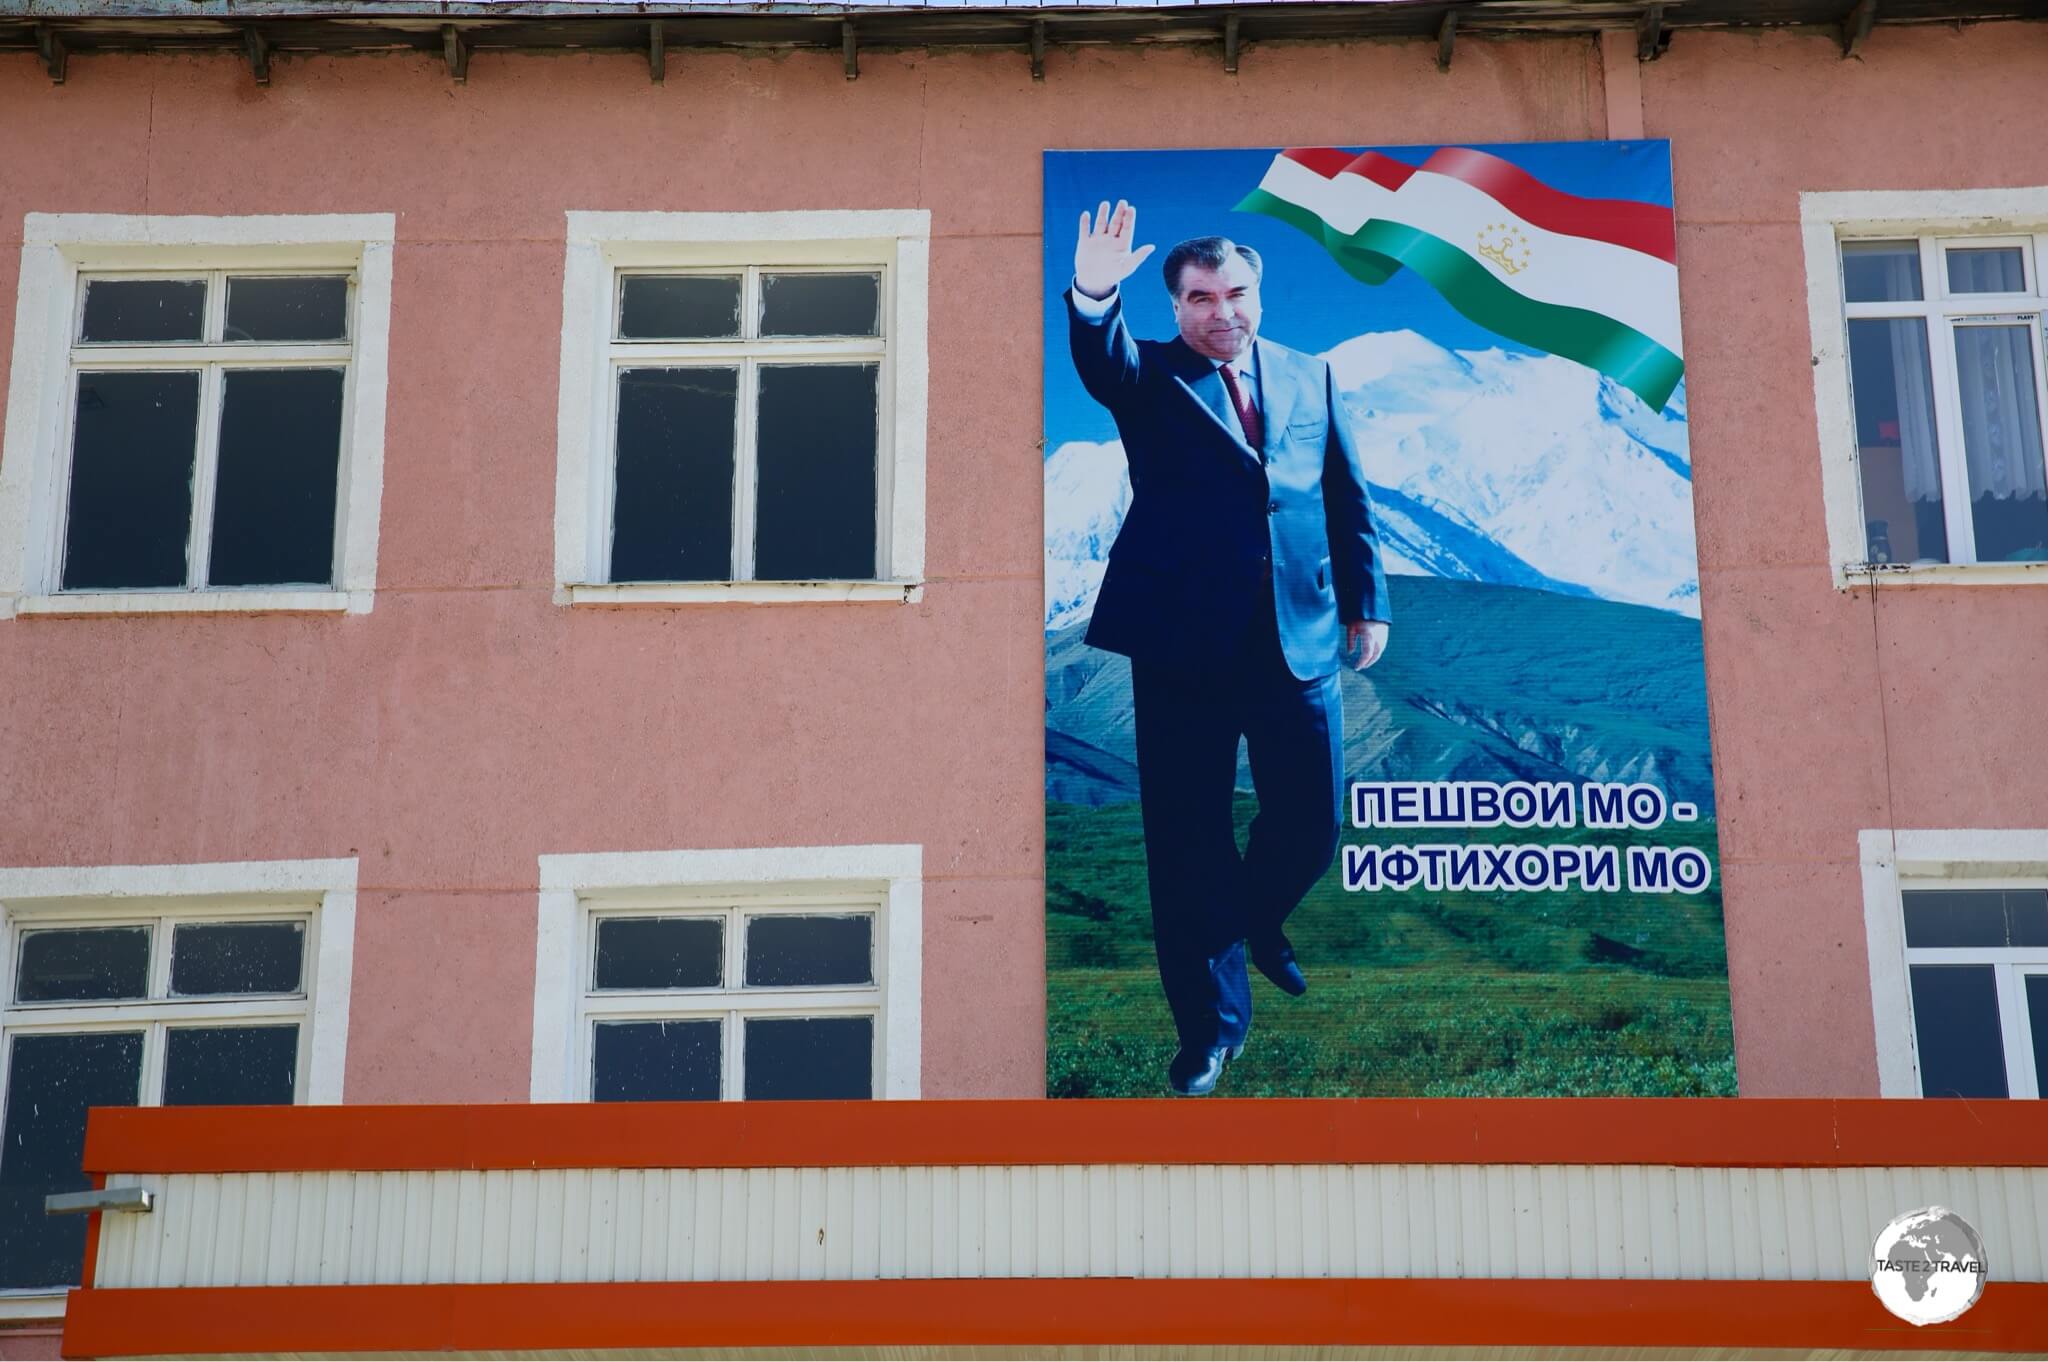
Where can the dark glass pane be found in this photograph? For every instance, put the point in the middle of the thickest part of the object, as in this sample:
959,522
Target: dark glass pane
1986,269
230,1066
143,311
2037,1026
683,307
821,304
78,964
2026,915
672,515
671,1061
1955,1016
1881,271
1897,454
791,951
814,1058
51,1082
2001,422
237,957
130,510
660,952
280,455
1976,917
274,309
1955,917
815,501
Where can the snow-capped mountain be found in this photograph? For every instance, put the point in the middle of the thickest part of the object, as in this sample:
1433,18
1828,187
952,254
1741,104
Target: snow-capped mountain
1485,465
1087,491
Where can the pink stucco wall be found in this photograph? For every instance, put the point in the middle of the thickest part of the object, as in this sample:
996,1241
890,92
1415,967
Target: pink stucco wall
31,1342
468,725
1831,711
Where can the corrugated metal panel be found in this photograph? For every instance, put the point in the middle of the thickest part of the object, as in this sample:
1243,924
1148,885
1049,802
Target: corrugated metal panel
1387,1220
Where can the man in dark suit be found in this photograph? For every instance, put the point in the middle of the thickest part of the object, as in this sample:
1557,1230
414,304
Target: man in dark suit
1245,574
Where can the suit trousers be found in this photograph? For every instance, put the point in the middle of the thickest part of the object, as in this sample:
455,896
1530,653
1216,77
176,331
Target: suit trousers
1207,898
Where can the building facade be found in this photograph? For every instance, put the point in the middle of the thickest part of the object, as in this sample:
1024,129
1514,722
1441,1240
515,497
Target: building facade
407,805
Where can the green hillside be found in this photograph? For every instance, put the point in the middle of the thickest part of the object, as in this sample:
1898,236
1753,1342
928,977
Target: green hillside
1412,993
1417,993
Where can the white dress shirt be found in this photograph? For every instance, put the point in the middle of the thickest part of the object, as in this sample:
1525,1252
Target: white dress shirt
1244,367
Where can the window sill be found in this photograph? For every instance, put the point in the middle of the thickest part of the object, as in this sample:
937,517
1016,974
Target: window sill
190,602
1940,574
737,593
31,1306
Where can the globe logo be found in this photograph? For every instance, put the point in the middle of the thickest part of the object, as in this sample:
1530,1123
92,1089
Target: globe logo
1929,1266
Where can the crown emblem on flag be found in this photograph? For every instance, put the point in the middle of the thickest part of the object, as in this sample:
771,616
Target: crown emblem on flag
1505,246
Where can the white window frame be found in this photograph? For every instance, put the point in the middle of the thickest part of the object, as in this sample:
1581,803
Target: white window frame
601,247
322,893
1998,217
35,459
1951,858
575,890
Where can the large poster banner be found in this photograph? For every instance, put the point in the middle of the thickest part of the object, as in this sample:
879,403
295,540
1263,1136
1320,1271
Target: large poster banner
1376,727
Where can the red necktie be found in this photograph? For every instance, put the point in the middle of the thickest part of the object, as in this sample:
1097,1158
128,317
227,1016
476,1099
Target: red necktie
1247,414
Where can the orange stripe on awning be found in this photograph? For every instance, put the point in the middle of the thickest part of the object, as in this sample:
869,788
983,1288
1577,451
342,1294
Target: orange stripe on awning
2011,1317
1687,1132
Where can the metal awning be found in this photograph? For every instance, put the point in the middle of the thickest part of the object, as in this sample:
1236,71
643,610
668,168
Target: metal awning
1511,1223
483,25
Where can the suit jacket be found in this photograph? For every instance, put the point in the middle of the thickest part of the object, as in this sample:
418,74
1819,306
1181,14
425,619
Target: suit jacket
1209,514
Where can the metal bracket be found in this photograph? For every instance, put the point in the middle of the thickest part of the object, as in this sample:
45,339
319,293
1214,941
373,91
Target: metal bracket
456,52
135,1199
51,49
657,53
1856,27
1230,43
849,49
258,48
1651,39
1038,49
1446,38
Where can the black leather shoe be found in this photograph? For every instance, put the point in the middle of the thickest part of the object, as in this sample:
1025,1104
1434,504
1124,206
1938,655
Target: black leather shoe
1274,957
1194,1072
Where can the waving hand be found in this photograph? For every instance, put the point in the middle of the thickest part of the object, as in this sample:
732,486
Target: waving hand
1103,257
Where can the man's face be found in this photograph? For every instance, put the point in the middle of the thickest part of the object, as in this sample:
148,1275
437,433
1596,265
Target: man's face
1218,310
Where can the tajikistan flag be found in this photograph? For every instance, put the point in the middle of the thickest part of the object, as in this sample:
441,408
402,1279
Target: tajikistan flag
1590,279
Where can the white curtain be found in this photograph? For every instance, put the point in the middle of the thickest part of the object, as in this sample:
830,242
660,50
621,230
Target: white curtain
2001,419
1890,273
1994,270
1917,451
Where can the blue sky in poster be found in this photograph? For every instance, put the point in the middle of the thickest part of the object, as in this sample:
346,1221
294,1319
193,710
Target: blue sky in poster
1311,304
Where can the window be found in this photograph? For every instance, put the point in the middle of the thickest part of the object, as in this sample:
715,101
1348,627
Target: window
205,431
704,976
700,1001
1945,374
201,415
1930,387
743,407
1977,966
173,986
1959,951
